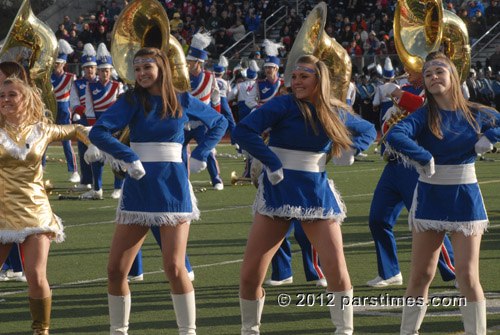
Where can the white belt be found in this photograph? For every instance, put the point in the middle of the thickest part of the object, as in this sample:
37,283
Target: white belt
158,151
452,175
301,160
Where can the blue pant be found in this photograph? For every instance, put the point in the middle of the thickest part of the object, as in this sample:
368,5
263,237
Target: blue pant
136,269
198,134
281,262
85,169
63,117
14,260
395,190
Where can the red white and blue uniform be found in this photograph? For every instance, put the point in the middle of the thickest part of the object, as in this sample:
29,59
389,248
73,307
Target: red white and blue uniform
225,110
99,97
204,87
450,200
62,88
394,191
77,101
268,90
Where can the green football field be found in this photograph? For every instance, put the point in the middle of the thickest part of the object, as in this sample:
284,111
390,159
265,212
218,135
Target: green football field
77,267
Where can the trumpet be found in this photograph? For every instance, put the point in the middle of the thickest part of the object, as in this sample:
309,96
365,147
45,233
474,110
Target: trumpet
50,188
239,181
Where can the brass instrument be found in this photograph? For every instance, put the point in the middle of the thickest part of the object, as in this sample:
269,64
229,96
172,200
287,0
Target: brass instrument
312,40
239,181
51,188
422,27
144,23
28,31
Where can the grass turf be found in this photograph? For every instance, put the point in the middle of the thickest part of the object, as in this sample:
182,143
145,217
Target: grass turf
77,267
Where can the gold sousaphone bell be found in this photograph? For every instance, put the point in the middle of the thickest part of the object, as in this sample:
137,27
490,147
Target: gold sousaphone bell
28,31
144,23
312,40
422,27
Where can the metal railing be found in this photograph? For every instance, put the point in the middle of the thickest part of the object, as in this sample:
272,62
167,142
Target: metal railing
266,29
491,40
241,40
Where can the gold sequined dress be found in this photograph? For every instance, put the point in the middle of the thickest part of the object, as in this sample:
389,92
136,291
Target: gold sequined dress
24,206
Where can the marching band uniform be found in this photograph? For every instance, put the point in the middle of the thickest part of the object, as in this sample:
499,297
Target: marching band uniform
203,87
223,85
77,104
267,89
379,98
366,92
99,96
246,92
395,190
62,83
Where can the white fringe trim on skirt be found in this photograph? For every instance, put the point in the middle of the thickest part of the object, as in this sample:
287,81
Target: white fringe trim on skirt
19,236
476,227
159,218
298,212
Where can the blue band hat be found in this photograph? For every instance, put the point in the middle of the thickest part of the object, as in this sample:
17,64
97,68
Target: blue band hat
251,74
272,61
388,72
61,58
218,69
88,60
105,63
196,54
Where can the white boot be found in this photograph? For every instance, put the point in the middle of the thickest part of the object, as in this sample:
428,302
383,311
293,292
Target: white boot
119,313
342,315
412,319
251,311
474,317
185,312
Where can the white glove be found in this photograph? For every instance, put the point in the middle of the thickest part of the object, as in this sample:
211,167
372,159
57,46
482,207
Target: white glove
427,170
196,166
388,88
276,176
483,145
135,169
255,170
346,157
76,117
93,154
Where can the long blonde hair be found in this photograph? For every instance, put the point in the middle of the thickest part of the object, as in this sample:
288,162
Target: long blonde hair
32,104
326,107
459,103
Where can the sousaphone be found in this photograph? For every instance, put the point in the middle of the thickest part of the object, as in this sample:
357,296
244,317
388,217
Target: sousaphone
422,27
144,23
28,31
312,40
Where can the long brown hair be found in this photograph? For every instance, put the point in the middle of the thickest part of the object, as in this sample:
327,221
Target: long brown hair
171,106
13,69
326,107
459,103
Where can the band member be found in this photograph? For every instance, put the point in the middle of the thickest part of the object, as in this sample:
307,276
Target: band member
203,87
156,191
99,96
442,140
395,190
269,87
77,104
379,99
63,82
26,216
223,85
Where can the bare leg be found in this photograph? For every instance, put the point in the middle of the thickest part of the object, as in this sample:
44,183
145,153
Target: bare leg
4,252
127,239
326,237
265,237
467,265
174,243
36,251
426,247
